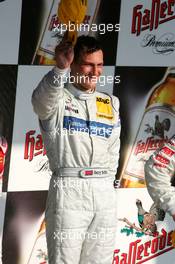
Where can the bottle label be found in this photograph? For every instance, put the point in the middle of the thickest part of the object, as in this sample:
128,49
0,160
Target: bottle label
54,32
51,37
156,128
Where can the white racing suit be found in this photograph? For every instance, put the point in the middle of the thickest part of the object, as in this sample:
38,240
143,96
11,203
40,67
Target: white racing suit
81,135
159,176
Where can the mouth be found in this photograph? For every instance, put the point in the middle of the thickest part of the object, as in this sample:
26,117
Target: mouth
91,79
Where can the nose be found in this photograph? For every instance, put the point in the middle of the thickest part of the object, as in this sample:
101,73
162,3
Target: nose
95,70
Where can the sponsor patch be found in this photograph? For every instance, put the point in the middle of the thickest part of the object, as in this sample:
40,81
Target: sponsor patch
159,165
94,128
104,108
71,109
162,159
169,152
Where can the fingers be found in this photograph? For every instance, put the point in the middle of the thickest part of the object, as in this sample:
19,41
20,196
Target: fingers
68,38
64,45
64,54
83,2
65,51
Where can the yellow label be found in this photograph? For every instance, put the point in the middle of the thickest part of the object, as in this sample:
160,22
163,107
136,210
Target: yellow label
104,108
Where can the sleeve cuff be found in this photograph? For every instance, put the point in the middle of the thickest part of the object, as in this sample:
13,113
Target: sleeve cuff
59,71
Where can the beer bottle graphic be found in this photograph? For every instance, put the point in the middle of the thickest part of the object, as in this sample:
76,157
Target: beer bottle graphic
157,127
52,36
39,250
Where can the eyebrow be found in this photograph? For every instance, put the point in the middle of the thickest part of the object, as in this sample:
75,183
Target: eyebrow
90,63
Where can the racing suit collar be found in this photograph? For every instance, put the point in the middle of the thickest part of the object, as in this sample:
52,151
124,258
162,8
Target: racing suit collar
80,94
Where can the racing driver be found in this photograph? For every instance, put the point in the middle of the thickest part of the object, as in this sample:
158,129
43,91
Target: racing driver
80,129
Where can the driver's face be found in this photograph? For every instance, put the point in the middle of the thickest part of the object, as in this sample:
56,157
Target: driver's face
89,67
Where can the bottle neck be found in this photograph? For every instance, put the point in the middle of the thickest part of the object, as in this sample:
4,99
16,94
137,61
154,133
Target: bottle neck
170,78
171,75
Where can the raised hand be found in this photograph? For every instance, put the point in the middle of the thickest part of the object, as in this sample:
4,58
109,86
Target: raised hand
64,54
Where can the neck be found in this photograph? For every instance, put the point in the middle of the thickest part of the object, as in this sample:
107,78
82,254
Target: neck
81,88
82,94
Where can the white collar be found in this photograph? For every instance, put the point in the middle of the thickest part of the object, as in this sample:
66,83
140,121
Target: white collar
82,95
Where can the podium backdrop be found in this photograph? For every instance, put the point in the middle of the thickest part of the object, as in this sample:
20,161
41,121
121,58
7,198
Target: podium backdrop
139,55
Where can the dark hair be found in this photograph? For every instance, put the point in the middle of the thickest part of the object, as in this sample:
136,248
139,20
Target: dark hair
86,44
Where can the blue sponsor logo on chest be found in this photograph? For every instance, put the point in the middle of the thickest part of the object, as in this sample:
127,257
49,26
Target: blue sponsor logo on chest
91,127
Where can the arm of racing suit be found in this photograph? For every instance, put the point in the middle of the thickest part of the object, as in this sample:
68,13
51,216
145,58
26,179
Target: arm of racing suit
159,171
114,144
45,100
48,92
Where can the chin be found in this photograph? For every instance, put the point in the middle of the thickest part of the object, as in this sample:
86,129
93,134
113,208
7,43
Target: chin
89,86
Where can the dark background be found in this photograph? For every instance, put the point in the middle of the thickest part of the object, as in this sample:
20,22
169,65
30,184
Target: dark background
8,79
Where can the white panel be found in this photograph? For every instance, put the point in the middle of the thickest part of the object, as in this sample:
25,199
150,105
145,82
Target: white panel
23,173
154,46
10,18
127,209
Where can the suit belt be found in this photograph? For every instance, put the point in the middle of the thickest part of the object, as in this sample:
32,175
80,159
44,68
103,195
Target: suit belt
83,172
